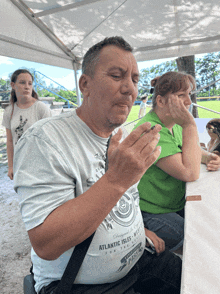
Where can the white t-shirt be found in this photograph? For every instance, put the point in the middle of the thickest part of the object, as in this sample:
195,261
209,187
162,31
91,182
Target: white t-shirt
22,119
143,105
67,159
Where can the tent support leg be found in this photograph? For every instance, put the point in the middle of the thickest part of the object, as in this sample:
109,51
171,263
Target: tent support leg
77,86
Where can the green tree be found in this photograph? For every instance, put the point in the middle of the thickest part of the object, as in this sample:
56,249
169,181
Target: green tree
208,71
147,74
4,89
69,95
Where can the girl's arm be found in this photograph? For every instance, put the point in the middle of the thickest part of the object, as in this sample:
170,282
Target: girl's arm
10,152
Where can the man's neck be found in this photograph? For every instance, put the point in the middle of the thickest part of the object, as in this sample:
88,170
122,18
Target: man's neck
86,117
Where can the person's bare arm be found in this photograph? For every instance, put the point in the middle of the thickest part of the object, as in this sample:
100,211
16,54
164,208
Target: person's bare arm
10,153
185,165
159,243
212,160
77,219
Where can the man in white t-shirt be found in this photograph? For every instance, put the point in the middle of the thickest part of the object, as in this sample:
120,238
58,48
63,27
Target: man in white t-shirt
66,195
143,106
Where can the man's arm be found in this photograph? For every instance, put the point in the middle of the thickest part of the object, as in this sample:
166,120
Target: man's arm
75,220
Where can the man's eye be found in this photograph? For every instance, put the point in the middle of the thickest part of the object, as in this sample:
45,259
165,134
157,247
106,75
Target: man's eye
116,76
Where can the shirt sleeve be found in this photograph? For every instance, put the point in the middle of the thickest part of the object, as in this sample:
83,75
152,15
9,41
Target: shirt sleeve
141,105
38,168
43,111
170,145
6,121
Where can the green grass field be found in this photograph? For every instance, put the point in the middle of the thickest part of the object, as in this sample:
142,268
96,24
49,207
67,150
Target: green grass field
214,105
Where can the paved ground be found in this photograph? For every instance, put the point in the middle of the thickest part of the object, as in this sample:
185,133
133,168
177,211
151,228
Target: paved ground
14,243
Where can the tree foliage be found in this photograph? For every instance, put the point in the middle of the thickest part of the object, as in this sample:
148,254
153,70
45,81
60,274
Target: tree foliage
4,88
41,87
207,70
147,74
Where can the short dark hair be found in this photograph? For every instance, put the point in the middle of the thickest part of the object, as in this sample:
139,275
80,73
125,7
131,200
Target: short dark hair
92,55
143,97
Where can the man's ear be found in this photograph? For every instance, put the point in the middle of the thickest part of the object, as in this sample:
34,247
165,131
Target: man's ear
84,85
161,101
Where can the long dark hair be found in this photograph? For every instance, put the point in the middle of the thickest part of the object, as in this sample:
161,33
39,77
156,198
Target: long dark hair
14,77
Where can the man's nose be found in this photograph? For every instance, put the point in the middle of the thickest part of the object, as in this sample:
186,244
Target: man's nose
128,86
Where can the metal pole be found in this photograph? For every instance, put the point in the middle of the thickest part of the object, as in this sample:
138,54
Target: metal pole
77,86
196,105
35,84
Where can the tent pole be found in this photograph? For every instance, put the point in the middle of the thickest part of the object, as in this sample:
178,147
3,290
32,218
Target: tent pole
77,86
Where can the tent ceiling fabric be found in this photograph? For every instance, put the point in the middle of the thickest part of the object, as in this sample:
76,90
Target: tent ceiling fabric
58,31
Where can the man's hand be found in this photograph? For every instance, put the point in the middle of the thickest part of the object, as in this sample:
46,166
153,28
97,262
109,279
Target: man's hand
129,160
115,142
213,162
159,243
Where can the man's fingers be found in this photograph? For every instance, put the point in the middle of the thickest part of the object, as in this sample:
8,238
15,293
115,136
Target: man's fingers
216,152
117,137
115,141
152,157
135,135
149,139
213,156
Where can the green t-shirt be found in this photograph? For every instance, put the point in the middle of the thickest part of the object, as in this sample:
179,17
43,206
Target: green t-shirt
160,192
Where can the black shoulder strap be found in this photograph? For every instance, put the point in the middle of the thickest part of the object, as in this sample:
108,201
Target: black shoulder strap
73,266
78,255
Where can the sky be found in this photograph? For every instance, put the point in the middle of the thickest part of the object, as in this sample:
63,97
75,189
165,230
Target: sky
64,77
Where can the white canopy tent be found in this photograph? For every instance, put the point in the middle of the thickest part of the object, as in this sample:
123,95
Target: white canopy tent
59,32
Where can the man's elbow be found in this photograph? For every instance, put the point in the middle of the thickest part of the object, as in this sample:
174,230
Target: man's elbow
45,250
46,254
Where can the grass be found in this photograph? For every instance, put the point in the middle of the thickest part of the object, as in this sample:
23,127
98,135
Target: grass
214,105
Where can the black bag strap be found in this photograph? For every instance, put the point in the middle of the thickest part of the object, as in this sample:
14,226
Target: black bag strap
73,266
78,255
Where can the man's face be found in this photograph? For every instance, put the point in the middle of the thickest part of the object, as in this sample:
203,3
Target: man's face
113,87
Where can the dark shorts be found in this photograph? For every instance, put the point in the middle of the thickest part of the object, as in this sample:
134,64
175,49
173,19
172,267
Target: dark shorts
167,226
151,275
